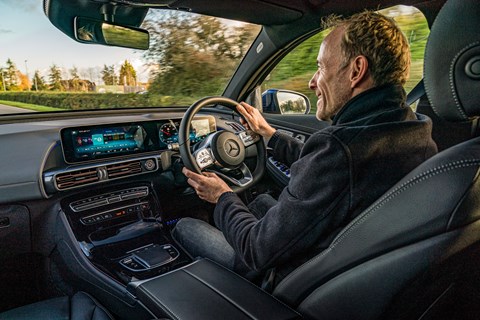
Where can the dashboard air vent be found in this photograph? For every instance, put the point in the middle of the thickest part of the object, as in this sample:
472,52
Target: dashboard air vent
124,169
76,178
236,126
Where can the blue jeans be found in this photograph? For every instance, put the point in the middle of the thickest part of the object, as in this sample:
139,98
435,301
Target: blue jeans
201,239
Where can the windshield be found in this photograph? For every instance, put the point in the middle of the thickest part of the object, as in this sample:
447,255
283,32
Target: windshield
41,69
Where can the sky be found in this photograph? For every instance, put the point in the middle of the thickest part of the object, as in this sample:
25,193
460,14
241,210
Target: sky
26,34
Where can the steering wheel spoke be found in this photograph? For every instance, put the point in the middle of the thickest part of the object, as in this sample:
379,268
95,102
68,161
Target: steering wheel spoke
204,158
248,137
243,181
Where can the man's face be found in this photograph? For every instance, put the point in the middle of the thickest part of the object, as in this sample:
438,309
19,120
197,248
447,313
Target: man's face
331,82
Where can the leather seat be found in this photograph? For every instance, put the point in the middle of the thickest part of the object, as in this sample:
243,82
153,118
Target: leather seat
414,253
79,307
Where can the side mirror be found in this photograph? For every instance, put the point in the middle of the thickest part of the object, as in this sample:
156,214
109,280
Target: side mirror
96,31
285,102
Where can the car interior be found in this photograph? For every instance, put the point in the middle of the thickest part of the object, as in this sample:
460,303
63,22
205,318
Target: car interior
86,233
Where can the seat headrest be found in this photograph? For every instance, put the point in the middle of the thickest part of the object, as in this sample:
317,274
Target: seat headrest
452,61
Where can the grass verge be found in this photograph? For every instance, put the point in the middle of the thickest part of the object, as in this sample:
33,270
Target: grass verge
29,106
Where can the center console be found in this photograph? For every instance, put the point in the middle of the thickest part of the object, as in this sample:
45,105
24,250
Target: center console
143,272
122,233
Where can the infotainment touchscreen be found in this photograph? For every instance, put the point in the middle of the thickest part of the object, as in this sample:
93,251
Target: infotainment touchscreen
89,143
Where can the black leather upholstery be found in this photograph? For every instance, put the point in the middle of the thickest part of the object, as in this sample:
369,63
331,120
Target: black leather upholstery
79,307
427,217
206,290
452,61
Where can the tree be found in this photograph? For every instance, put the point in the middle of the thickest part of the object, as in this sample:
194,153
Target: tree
75,81
128,75
3,85
108,75
55,77
74,73
11,76
93,73
24,82
193,55
38,83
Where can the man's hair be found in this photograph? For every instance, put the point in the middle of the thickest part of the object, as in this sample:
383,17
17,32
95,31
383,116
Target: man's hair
379,39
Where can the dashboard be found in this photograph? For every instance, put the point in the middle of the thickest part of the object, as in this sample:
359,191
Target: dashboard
110,185
88,150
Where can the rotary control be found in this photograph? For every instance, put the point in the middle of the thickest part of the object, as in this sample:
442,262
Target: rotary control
149,165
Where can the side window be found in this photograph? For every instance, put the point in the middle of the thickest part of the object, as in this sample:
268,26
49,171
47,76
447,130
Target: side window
297,68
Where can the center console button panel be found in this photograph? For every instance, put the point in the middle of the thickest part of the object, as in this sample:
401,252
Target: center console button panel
109,198
116,213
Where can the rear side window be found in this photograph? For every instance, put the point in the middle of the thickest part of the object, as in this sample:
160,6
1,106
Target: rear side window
298,67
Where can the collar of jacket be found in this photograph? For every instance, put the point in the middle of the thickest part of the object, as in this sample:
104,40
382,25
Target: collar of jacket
371,101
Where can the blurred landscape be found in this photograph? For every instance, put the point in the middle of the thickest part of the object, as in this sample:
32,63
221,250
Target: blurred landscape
189,57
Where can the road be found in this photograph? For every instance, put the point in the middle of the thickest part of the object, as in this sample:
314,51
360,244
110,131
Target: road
7,109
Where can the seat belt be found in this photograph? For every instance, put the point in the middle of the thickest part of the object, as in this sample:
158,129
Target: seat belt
268,280
417,92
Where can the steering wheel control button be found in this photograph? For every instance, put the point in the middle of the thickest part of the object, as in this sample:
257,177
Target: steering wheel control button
204,158
248,137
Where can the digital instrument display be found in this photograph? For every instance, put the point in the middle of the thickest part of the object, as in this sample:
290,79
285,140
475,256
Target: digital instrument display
200,128
89,143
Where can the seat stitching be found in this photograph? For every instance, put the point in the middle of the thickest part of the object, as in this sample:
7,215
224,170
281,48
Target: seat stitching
427,58
379,203
450,77
403,187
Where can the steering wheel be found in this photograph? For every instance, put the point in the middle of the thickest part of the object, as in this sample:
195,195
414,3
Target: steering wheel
222,152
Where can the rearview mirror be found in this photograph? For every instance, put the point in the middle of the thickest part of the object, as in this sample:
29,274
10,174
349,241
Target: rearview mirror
96,31
285,102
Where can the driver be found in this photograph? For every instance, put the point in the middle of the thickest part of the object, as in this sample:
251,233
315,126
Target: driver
375,139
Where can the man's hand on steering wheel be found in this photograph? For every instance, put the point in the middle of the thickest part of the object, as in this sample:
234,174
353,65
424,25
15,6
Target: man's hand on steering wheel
255,121
208,185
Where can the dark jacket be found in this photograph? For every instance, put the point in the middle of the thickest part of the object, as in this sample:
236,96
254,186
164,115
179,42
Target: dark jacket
373,142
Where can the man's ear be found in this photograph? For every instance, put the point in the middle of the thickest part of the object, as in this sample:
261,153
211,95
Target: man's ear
359,74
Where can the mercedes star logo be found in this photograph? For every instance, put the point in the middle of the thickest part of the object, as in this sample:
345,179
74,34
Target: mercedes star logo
232,148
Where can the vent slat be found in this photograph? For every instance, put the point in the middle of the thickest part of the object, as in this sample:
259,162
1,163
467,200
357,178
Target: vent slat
76,178
124,169
82,177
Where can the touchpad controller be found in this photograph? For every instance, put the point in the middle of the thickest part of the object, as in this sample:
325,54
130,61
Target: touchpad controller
150,257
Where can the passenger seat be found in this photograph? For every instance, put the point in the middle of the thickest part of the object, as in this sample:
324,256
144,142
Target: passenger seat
80,306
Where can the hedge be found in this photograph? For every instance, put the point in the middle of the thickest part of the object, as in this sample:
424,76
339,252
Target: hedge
77,101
